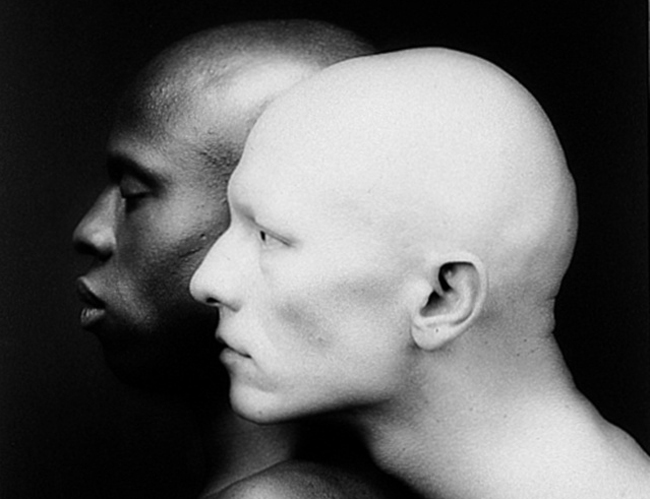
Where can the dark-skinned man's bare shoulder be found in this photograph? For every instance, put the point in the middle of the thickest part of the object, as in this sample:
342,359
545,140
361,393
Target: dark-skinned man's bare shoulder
307,480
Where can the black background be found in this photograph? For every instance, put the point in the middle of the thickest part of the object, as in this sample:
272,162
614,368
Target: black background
67,428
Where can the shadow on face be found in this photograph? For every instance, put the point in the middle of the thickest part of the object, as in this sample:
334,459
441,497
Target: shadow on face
163,206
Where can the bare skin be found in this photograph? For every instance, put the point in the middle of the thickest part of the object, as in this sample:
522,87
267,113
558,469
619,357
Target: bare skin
400,228
178,135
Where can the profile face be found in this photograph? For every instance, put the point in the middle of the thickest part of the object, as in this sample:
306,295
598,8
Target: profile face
311,297
147,232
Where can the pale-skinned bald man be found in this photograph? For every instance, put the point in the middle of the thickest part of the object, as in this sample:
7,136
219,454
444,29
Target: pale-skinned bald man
179,132
400,228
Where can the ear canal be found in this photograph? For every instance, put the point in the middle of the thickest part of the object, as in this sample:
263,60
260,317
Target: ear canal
445,271
432,303
441,288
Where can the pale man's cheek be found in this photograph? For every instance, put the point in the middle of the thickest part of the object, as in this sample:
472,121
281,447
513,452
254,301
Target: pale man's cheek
319,315
303,321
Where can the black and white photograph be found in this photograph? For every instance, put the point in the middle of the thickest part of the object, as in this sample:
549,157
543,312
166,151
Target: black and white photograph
302,249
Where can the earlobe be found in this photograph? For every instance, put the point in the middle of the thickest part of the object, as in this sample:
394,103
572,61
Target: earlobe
455,298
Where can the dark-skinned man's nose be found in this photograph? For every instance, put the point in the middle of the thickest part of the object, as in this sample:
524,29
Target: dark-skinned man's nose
95,235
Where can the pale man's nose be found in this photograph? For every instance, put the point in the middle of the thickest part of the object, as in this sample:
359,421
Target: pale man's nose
202,285
95,233
212,283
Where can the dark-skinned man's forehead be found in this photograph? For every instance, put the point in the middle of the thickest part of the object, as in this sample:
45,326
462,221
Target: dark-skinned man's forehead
158,101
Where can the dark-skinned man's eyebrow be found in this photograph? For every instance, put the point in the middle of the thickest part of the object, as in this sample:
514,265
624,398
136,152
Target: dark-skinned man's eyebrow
118,165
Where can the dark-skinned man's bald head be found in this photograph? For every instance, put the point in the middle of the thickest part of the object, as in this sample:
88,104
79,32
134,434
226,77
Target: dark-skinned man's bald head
263,57
179,132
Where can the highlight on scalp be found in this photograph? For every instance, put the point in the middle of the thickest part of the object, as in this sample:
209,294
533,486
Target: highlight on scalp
209,60
207,55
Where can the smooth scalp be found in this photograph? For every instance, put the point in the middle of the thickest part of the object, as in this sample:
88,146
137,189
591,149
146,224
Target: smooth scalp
447,156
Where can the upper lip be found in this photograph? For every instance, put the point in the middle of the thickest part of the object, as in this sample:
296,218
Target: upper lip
86,295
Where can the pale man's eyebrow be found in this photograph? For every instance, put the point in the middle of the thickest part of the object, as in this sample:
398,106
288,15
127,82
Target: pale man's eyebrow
242,209
245,204
236,200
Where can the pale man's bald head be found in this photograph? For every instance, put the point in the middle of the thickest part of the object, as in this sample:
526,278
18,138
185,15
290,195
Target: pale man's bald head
443,149
391,202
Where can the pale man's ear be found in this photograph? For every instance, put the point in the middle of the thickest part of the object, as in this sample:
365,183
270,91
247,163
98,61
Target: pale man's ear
454,298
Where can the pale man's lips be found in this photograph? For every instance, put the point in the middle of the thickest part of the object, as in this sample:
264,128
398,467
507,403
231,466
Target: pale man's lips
94,309
228,346
229,356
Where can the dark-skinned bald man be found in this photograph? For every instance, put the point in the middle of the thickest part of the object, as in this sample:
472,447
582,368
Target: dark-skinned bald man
179,132
401,224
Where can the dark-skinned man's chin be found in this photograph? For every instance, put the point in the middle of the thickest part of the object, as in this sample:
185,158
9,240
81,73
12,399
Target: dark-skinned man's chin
186,368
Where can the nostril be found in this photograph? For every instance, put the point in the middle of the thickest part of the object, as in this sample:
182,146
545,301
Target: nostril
81,246
211,301
98,248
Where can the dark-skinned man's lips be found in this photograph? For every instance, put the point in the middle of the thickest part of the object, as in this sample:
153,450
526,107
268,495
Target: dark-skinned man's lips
94,308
